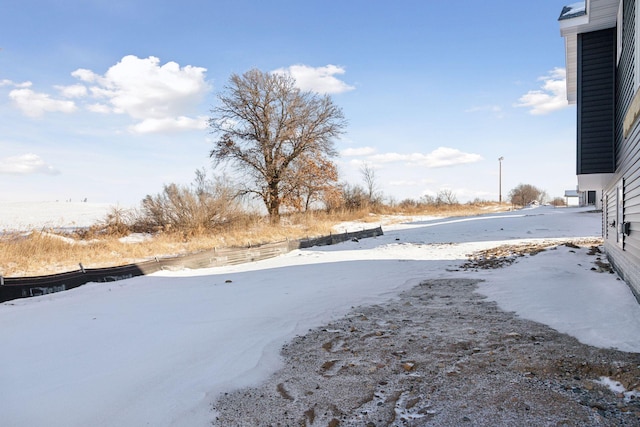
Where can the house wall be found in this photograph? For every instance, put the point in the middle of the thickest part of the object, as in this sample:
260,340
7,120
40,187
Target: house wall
626,267
596,102
625,70
623,195
622,192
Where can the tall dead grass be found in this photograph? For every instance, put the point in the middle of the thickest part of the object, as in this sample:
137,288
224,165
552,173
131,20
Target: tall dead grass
45,252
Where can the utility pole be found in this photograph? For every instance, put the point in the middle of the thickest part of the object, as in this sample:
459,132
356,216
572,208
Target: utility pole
500,159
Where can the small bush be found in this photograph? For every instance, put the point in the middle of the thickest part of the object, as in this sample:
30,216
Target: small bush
204,206
354,197
446,197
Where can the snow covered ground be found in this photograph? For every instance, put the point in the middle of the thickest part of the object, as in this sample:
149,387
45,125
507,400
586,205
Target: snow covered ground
21,216
157,350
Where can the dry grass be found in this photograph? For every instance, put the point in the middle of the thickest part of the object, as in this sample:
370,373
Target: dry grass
41,252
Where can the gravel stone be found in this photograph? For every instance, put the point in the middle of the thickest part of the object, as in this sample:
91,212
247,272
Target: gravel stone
438,355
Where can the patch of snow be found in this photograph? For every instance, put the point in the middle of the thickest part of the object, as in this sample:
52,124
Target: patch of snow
158,349
21,216
136,238
618,388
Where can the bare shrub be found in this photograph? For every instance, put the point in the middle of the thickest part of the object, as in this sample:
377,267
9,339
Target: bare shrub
478,202
205,205
427,200
408,204
354,197
119,221
446,197
525,194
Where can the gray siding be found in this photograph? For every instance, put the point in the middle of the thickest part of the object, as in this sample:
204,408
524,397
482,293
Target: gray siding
625,256
626,69
626,267
596,101
632,214
629,171
609,214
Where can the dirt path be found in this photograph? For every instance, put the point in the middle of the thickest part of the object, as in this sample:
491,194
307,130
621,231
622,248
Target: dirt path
440,355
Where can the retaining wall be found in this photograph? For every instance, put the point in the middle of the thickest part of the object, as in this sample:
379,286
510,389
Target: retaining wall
23,287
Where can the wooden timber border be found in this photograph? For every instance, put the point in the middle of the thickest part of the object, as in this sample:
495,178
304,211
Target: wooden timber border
24,287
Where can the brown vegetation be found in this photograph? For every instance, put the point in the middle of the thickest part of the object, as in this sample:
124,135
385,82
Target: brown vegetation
525,194
38,252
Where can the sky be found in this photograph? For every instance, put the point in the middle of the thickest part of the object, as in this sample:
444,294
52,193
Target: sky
108,100
164,333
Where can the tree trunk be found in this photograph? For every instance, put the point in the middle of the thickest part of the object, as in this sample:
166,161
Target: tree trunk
273,207
274,214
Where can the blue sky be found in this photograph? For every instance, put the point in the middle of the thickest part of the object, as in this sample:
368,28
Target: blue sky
108,100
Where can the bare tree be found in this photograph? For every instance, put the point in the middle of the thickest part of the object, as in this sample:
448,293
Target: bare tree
524,194
543,197
264,123
370,182
446,197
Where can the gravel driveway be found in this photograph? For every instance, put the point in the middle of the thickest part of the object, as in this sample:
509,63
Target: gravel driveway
439,355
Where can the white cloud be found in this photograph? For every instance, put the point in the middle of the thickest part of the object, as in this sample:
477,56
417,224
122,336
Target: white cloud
317,79
99,108
362,151
357,163
551,97
144,89
393,157
6,82
159,97
85,75
35,104
26,164
402,183
438,158
410,183
73,91
169,124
